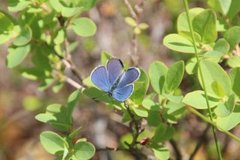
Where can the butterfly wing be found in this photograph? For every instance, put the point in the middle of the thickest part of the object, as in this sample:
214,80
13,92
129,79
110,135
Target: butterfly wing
121,94
131,75
114,68
99,77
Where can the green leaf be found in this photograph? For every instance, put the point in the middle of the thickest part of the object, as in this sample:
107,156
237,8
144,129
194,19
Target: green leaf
7,26
228,122
140,112
86,4
234,9
59,37
83,150
234,61
99,95
222,46
17,55
130,21
213,73
161,153
220,5
191,66
24,37
175,111
197,100
182,22
174,76
226,108
84,27
162,133
52,142
57,116
235,77
178,43
232,35
220,49
140,88
218,89
64,10
105,56
31,103
148,103
72,101
157,74
205,24
6,23
56,4
18,5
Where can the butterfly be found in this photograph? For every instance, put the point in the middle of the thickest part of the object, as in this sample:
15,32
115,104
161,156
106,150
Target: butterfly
114,80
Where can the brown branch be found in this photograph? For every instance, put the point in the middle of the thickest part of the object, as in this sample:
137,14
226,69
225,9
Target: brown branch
136,129
110,149
176,149
200,142
73,83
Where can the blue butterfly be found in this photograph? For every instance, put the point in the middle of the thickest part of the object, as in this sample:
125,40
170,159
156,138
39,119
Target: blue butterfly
112,79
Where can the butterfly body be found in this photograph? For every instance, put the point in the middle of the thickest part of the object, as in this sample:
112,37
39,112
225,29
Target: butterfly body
112,79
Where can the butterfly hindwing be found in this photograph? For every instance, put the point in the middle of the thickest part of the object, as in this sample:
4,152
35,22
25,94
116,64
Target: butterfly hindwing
114,68
99,77
121,94
131,75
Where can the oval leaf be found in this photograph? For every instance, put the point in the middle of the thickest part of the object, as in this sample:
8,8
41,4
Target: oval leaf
205,24
174,76
178,43
197,100
52,142
17,55
157,74
213,73
84,27
83,150
140,88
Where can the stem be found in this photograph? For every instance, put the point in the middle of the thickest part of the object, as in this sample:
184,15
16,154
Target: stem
73,83
134,56
137,130
9,16
110,149
192,110
131,10
201,78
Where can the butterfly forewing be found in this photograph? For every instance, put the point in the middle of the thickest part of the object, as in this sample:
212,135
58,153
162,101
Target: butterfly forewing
115,69
99,77
121,94
131,75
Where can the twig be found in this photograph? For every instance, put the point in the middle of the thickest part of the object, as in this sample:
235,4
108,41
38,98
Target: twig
178,154
68,64
73,83
137,130
131,10
200,142
134,55
110,149
192,110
